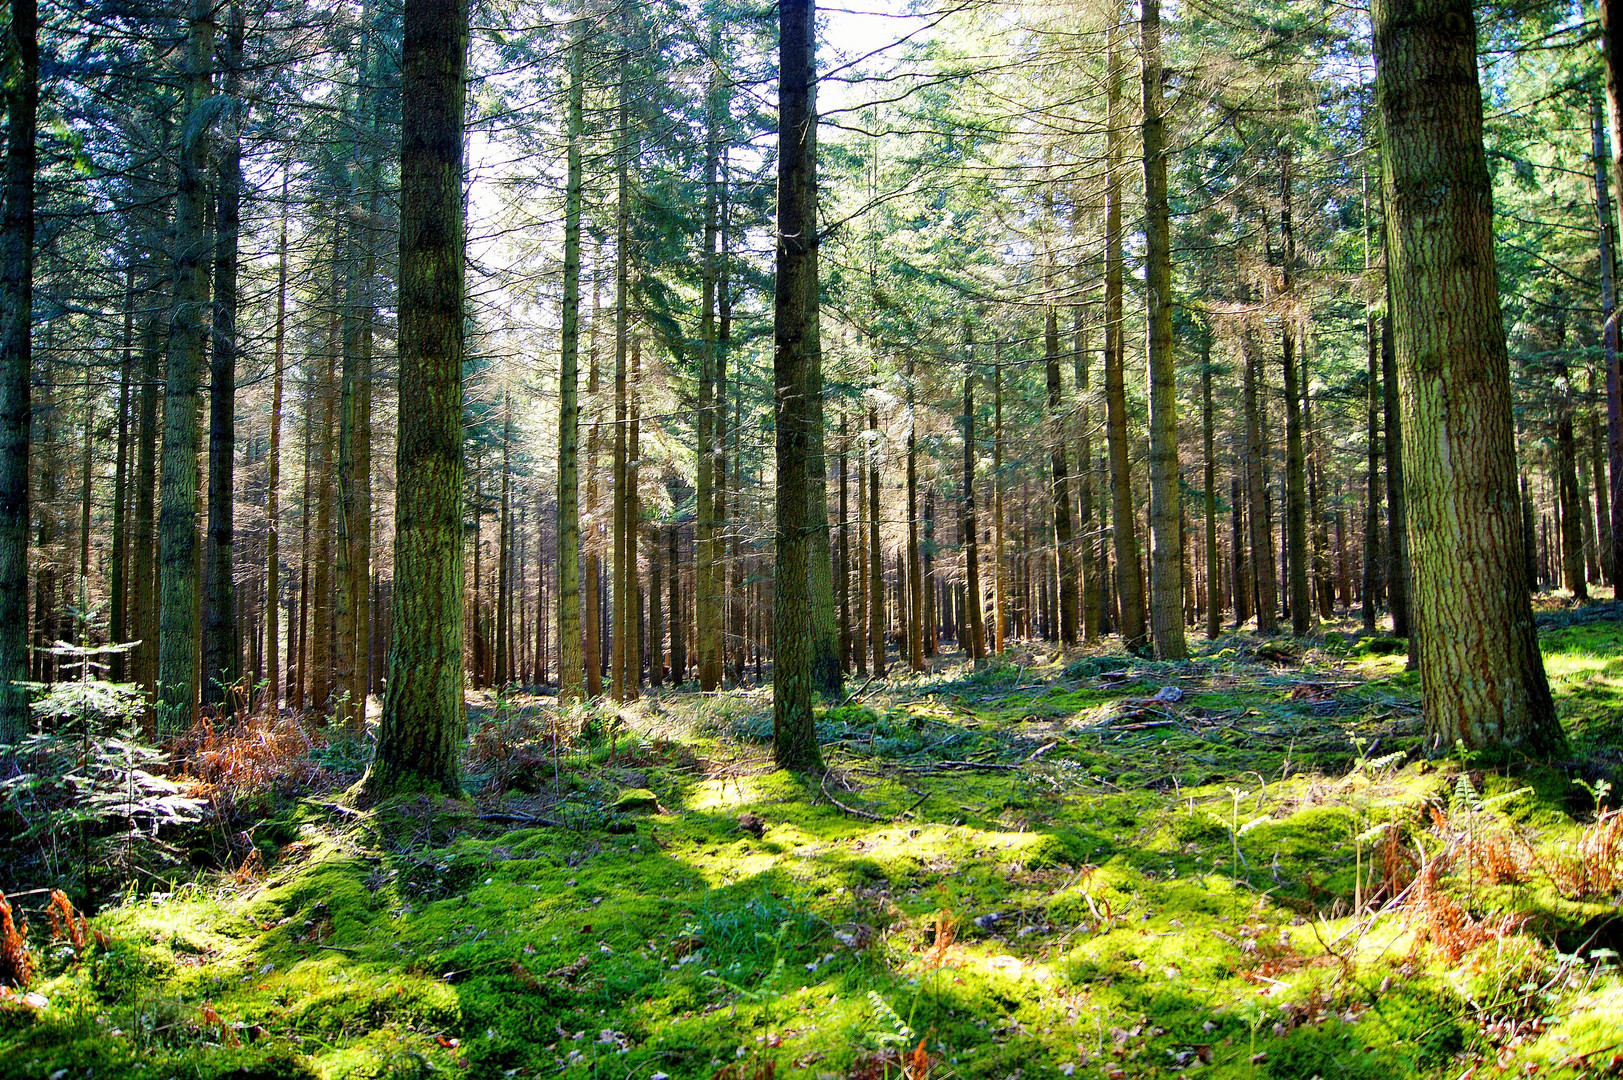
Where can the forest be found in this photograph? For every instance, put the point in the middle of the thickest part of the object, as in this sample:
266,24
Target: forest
739,540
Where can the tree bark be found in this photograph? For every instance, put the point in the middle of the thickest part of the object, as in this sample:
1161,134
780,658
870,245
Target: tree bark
177,514
423,717
1059,486
1214,580
794,367
221,652
1262,541
1123,514
1612,52
571,676
974,635
16,366
1303,621
1166,534
1482,678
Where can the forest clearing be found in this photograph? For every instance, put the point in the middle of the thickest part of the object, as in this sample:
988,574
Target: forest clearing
699,539
1035,869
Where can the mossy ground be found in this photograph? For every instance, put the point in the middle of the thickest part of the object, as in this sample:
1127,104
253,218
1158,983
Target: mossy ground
1032,869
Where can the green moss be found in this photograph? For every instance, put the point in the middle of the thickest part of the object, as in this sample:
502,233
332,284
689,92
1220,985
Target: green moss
1096,908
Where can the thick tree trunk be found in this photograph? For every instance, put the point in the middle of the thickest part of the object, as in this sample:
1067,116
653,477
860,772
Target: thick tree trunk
1166,515
571,676
1609,335
1481,674
423,716
1612,52
221,652
16,366
177,514
794,370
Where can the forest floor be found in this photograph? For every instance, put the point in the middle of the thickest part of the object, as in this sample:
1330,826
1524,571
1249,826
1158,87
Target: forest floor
1244,865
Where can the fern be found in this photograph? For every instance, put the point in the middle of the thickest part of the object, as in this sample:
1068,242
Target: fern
900,1034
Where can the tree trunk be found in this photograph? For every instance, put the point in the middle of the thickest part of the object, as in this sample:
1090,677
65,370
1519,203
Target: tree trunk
1372,422
1129,570
1296,496
1262,541
1214,581
842,564
794,370
273,486
876,563
16,366
504,556
973,634
221,654
1166,535
423,716
571,681
827,677
1059,486
1000,599
1609,335
1092,619
321,656
1612,52
177,515
706,602
1397,499
1482,677
118,619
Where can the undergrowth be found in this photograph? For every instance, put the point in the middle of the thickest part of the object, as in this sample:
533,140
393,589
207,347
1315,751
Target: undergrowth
1244,865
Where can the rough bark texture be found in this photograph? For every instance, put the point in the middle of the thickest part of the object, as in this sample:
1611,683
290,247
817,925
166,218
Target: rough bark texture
1372,427
1481,674
1609,334
1166,517
571,676
221,655
423,716
794,332
16,364
177,510
1612,51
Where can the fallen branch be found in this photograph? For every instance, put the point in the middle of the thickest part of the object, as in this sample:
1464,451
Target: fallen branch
523,818
848,809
